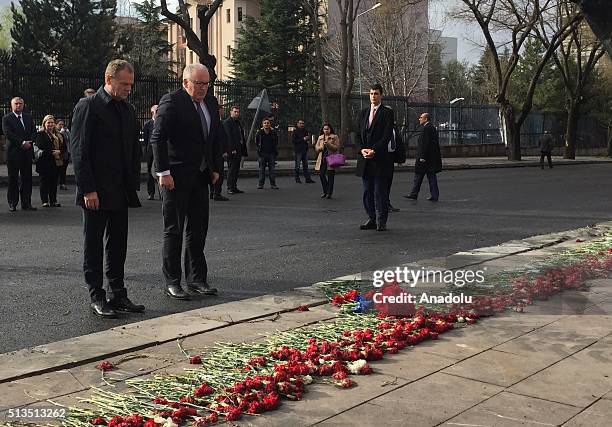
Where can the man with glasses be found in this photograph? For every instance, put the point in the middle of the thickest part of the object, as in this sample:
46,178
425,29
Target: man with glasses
187,146
428,160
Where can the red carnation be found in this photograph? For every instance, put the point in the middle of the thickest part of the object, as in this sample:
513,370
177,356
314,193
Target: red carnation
105,366
203,390
151,423
233,415
302,308
98,421
195,360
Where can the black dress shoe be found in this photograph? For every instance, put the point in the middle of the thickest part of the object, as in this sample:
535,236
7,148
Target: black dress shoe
231,192
324,195
29,208
176,292
220,198
431,199
56,205
102,309
329,196
381,227
368,225
124,305
310,181
12,208
151,197
298,181
411,196
392,208
201,288
238,191
274,187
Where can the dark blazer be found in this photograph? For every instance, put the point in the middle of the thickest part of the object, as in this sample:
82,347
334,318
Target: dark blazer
428,148
178,140
105,151
46,162
16,134
235,136
147,131
259,143
376,137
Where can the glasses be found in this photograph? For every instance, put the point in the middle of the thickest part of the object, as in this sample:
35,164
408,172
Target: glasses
199,83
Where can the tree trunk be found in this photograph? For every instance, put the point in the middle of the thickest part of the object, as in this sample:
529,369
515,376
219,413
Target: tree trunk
323,97
571,128
511,131
610,140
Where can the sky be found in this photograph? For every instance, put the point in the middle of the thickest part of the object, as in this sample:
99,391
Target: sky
438,11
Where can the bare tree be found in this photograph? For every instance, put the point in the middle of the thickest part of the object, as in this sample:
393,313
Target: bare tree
397,48
313,8
518,19
198,44
576,59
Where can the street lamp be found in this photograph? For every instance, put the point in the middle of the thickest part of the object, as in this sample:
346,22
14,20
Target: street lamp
358,55
450,118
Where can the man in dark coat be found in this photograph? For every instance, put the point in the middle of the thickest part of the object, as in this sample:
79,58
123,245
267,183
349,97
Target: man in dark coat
188,144
106,158
428,160
373,165
19,129
148,152
545,144
300,139
236,144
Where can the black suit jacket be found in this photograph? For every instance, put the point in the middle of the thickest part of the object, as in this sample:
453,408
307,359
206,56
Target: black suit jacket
376,137
178,140
428,148
235,136
105,151
16,134
147,131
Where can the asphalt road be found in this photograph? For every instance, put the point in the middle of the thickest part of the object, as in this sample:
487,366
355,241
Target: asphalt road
265,241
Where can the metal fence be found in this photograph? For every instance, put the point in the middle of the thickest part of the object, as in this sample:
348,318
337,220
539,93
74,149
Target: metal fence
52,92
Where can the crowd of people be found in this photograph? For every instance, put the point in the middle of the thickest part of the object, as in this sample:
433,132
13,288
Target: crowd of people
185,145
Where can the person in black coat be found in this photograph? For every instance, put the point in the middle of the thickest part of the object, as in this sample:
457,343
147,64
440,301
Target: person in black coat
187,146
147,131
545,145
373,165
106,157
301,138
236,143
19,129
428,160
266,140
52,145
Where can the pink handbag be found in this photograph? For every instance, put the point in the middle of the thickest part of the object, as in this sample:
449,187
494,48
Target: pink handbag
335,160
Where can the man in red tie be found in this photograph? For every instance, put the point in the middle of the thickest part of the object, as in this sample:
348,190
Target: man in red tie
375,131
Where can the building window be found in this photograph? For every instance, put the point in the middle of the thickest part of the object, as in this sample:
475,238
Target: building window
239,14
229,52
227,15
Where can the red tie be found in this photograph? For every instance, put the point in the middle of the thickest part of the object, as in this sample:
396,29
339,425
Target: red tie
372,114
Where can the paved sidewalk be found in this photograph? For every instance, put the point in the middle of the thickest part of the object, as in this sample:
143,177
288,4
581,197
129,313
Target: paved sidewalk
286,167
551,365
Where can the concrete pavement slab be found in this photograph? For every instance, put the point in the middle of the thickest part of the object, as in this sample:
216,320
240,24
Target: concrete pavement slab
22,392
427,402
597,415
170,327
510,410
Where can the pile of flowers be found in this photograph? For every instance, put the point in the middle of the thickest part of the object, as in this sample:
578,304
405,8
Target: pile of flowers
231,380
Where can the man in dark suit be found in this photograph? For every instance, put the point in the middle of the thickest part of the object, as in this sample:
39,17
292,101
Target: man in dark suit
148,152
19,129
106,158
373,164
188,151
428,160
236,143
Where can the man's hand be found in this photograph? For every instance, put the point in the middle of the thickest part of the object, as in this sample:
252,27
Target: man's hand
167,182
215,177
26,145
422,160
91,201
234,152
367,153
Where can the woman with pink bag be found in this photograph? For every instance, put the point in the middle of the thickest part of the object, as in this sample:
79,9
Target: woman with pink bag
327,146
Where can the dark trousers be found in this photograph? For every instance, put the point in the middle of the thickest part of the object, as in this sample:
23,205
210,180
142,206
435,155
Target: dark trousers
105,234
20,181
48,186
302,158
327,178
62,173
215,189
233,168
185,211
548,156
269,161
433,184
390,183
376,198
151,181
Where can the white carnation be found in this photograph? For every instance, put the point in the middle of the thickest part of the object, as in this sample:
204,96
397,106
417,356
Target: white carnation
355,367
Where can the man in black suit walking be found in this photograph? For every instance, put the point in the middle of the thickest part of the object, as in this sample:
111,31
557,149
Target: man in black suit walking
373,164
20,131
188,151
106,158
148,152
428,160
